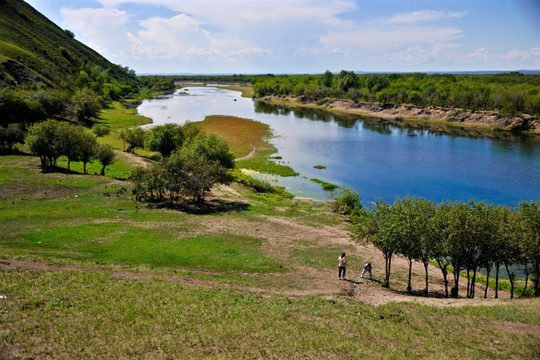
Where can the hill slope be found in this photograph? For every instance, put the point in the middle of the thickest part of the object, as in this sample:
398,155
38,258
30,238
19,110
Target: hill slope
33,49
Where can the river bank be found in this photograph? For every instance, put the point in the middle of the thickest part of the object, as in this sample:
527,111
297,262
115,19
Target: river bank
442,120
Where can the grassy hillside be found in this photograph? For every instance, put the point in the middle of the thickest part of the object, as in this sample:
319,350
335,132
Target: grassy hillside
86,272
33,49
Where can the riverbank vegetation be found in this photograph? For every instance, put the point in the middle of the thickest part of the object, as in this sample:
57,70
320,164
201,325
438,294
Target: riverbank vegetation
508,93
459,236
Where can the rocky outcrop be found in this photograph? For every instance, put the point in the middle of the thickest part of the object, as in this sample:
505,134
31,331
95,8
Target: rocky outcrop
463,116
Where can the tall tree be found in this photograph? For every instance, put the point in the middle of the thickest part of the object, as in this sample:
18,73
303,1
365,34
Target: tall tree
529,214
43,140
377,226
105,155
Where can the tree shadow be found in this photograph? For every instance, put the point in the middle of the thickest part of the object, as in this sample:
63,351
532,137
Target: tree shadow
213,206
420,293
15,152
59,170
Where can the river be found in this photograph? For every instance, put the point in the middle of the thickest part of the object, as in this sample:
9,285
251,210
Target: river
377,159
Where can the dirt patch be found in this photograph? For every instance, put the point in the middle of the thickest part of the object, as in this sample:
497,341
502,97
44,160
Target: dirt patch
26,191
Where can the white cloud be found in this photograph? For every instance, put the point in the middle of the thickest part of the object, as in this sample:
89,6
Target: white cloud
424,16
386,37
179,36
513,56
288,35
103,29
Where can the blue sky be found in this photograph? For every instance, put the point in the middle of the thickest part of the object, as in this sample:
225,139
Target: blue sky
305,36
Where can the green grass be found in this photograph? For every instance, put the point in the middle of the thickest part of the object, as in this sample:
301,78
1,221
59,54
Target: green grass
112,243
72,314
325,185
163,283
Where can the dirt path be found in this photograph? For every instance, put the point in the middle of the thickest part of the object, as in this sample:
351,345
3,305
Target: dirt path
132,158
248,156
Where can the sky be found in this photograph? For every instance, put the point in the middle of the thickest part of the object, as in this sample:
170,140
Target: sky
305,36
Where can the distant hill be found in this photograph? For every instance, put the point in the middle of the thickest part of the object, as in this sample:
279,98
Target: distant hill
33,49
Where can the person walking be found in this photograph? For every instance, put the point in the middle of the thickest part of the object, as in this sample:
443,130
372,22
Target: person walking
367,268
342,263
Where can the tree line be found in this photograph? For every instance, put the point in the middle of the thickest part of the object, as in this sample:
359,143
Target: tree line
508,93
52,138
458,236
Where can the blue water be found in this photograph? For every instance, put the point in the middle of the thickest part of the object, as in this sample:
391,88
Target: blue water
376,159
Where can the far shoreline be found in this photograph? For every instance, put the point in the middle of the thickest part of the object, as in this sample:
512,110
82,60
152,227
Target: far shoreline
406,115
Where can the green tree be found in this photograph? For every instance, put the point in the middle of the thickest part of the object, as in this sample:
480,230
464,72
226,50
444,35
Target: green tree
133,137
87,148
105,155
425,223
327,78
376,225
165,139
43,140
210,147
86,104
9,137
406,230
70,141
441,237
529,214
458,228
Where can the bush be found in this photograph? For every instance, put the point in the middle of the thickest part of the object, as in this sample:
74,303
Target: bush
346,202
86,104
101,130
10,137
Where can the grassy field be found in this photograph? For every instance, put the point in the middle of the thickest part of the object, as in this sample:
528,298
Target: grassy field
234,304
86,272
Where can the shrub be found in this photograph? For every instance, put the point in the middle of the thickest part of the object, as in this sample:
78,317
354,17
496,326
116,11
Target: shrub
101,130
346,202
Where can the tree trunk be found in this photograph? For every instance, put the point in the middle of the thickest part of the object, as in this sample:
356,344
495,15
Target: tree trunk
409,287
388,260
536,279
445,276
468,283
455,289
69,162
497,280
511,277
427,278
103,170
473,284
84,167
526,271
488,270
